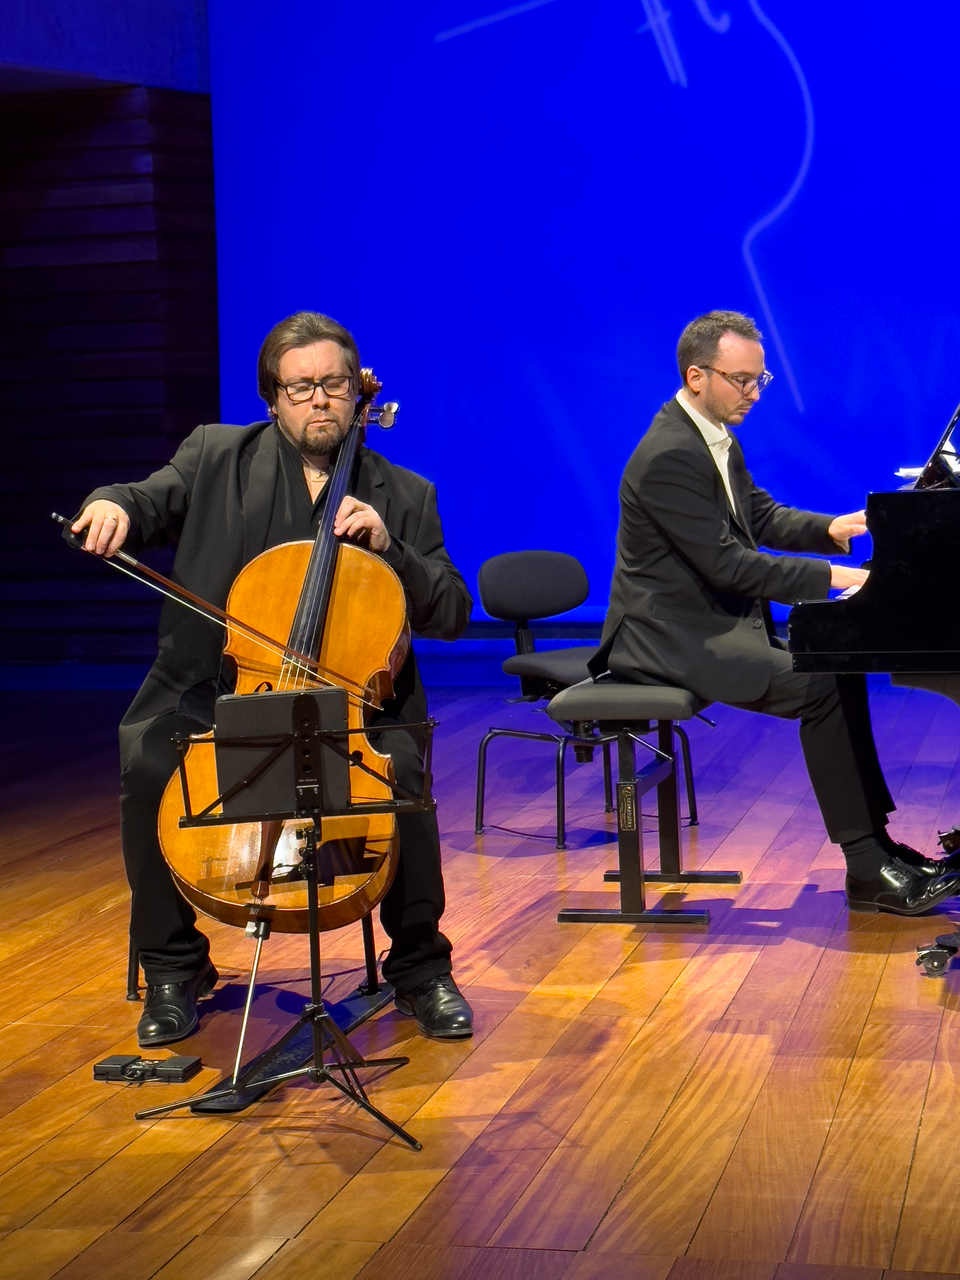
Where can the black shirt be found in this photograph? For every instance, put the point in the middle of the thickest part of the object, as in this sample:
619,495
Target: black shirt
295,516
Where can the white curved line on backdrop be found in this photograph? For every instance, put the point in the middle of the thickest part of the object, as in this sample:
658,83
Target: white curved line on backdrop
721,25
489,19
762,223
658,22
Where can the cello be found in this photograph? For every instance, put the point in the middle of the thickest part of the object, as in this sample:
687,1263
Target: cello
343,611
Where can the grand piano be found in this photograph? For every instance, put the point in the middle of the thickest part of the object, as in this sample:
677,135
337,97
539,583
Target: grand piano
902,619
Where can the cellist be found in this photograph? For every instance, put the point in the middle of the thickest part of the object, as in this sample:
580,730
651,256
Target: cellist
228,494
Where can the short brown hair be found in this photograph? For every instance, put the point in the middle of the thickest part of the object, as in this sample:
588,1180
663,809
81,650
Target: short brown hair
700,339
301,330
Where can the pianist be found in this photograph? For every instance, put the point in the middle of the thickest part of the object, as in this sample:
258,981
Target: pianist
690,593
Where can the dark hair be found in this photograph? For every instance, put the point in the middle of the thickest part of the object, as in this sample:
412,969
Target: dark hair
700,339
301,330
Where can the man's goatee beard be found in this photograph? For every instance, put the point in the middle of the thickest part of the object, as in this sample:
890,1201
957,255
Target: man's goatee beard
321,441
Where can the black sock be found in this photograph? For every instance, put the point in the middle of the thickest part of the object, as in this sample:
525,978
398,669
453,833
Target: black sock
865,855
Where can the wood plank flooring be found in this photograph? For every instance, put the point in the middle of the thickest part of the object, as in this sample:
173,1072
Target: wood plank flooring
775,1096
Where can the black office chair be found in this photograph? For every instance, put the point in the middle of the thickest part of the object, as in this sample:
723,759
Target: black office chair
522,587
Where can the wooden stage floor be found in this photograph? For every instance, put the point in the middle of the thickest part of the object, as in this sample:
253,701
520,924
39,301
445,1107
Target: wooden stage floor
773,1097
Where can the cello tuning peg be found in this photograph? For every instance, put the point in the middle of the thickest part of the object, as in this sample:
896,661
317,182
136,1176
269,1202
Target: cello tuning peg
385,415
370,384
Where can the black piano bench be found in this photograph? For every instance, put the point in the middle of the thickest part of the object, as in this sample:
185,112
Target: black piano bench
624,713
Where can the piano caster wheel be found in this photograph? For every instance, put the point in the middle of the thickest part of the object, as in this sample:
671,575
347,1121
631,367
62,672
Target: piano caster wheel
950,840
935,958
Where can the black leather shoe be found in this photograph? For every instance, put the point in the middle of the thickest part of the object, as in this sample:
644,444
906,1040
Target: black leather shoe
439,1008
170,1009
916,861
900,890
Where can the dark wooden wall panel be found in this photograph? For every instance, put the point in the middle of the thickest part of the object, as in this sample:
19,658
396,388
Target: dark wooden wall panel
108,342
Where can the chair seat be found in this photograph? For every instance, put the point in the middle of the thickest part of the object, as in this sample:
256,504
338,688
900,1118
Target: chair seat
610,700
563,666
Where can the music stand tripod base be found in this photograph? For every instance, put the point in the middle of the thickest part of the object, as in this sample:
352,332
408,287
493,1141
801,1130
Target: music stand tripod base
350,1012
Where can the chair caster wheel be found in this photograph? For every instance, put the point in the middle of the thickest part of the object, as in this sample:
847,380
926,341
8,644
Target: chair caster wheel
950,840
934,959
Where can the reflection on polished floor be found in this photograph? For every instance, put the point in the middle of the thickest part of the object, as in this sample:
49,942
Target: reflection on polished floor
774,1097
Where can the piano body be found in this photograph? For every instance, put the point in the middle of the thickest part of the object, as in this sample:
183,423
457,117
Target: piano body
902,619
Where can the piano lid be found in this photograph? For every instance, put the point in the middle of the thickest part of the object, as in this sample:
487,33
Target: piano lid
942,470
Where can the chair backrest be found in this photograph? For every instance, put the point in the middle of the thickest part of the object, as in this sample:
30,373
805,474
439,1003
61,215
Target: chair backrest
519,586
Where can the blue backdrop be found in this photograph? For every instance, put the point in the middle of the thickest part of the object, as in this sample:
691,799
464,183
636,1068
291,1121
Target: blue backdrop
516,210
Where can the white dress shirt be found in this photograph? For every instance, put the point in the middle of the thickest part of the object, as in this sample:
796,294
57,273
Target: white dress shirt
718,440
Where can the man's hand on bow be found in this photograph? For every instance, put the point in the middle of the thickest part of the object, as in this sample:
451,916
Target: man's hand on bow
108,526
360,523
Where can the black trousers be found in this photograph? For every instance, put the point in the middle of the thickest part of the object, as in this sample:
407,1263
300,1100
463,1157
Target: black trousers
163,925
838,746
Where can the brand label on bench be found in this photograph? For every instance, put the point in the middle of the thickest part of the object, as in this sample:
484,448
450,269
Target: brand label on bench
627,806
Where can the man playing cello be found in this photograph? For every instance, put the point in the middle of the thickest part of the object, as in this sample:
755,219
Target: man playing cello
228,494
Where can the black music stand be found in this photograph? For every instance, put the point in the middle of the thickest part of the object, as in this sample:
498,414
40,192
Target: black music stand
315,759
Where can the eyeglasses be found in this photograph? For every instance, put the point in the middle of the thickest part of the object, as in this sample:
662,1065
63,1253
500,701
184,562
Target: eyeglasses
335,385
746,386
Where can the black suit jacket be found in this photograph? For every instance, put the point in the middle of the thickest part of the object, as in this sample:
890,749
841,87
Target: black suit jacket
214,499
686,600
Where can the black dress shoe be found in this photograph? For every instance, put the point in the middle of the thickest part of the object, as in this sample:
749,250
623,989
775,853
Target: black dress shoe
439,1008
170,1008
916,861
901,890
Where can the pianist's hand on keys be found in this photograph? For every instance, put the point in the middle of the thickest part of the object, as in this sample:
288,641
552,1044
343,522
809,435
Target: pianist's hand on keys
849,581
842,528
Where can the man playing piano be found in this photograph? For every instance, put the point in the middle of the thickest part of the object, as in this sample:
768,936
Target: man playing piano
689,603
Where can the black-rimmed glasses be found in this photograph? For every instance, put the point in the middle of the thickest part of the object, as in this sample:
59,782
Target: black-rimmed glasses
336,385
746,386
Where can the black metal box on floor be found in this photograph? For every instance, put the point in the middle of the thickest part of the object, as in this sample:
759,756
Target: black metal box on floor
251,729
125,1068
